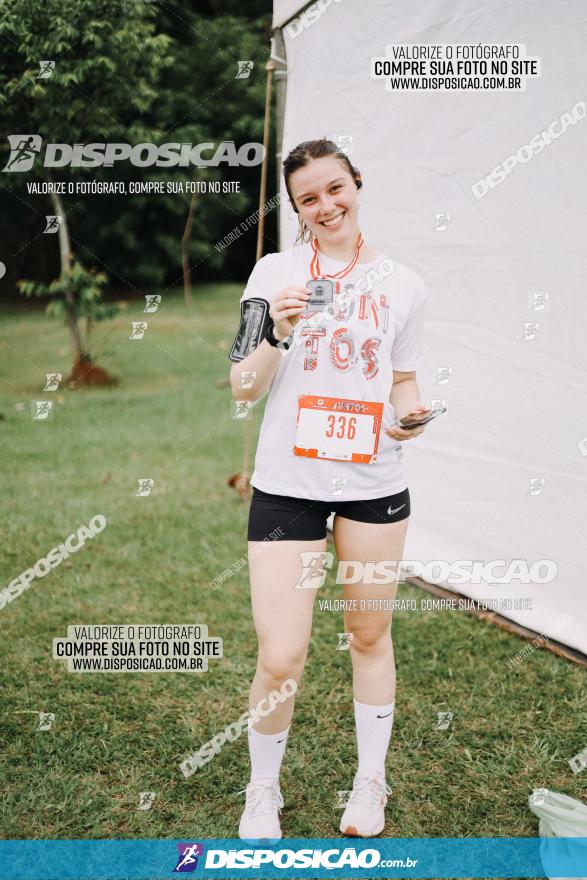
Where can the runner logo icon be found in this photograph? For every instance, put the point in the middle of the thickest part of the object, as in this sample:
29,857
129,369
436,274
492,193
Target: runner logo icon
188,857
24,148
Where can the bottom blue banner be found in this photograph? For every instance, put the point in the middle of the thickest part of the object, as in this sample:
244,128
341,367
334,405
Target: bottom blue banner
435,857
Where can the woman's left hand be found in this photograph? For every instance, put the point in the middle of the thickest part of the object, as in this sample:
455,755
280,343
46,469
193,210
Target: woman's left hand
420,409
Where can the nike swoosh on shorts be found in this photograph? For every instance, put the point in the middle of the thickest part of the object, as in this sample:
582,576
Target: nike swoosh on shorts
395,510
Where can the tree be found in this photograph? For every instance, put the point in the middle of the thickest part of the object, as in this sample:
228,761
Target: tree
198,99
75,295
105,61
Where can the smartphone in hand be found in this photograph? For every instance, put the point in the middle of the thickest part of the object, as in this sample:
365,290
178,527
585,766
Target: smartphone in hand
409,423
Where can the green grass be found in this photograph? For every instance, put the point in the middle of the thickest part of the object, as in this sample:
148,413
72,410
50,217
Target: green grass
117,735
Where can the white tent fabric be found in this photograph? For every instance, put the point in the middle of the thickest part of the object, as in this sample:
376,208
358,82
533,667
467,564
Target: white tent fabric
285,10
516,407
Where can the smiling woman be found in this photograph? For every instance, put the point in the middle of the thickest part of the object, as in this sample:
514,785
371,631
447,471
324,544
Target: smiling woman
338,192
332,328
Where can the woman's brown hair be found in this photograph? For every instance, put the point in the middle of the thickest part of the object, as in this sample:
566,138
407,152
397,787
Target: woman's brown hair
304,153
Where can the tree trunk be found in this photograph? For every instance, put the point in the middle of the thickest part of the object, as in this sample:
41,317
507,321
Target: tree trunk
185,239
84,371
66,260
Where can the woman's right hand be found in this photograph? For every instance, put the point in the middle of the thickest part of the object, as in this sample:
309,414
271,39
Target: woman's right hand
286,309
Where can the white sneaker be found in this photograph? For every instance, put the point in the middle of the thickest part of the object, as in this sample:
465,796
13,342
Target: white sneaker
364,815
260,819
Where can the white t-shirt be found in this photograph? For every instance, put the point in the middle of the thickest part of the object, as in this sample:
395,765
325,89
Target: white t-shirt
348,351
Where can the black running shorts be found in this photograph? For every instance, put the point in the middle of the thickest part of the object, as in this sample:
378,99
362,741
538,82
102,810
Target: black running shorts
301,520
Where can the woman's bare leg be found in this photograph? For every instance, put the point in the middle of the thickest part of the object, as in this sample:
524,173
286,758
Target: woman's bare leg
371,646
283,621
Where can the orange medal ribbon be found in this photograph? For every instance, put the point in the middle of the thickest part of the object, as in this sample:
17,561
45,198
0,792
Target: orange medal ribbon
315,263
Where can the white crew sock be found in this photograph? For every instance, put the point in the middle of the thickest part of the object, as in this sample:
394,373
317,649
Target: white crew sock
266,751
374,725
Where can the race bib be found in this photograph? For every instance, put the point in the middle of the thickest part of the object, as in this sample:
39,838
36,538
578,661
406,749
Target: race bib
337,428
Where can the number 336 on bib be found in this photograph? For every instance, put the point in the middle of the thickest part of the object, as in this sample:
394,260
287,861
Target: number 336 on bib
337,428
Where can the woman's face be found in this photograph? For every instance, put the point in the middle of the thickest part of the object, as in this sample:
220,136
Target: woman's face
326,197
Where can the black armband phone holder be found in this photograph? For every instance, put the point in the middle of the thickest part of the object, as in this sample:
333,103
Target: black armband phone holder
255,319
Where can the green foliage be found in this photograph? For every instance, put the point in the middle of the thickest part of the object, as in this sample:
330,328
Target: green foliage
76,294
107,66
135,72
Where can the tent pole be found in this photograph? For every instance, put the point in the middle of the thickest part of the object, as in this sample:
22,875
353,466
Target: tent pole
269,67
278,53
